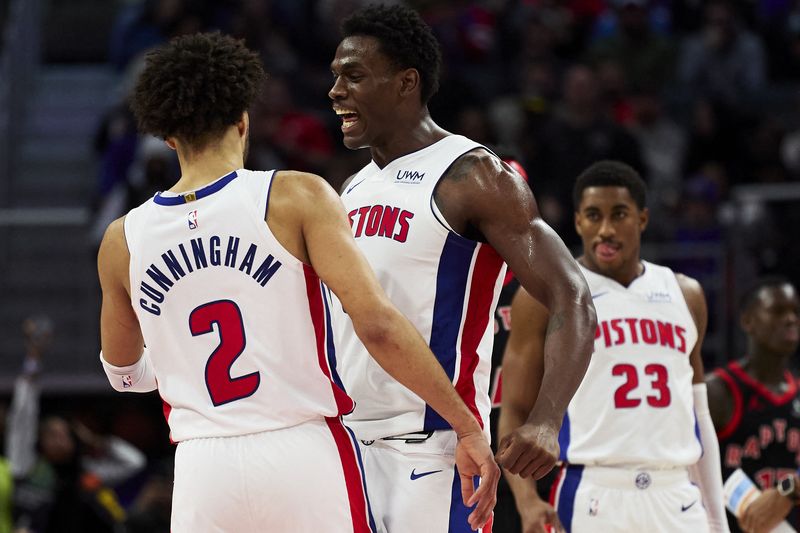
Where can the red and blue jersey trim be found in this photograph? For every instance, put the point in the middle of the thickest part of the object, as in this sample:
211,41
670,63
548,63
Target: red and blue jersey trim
326,354
468,291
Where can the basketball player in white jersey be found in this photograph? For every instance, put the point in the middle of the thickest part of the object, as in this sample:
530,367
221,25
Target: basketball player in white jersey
438,216
220,278
638,432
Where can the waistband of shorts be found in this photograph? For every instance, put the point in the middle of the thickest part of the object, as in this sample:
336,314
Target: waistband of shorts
632,478
437,441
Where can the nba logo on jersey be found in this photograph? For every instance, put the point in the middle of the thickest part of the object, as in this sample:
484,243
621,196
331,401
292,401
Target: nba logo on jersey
127,382
193,219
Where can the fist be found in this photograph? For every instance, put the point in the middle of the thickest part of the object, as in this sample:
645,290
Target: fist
530,450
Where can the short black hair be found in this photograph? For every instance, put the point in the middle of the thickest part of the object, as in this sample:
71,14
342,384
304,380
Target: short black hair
404,38
195,87
750,295
610,173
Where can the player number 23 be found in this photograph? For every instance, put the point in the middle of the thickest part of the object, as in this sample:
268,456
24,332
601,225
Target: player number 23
658,395
221,386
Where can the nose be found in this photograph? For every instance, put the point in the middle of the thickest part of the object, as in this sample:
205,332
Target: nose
337,92
606,228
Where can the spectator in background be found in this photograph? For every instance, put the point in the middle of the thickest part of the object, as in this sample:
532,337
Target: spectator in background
663,144
644,55
724,61
63,482
577,135
755,401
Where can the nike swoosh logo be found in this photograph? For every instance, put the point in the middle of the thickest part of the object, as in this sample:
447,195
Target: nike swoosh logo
685,508
354,186
414,475
599,294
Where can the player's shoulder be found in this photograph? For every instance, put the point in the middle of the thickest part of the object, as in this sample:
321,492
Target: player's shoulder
298,185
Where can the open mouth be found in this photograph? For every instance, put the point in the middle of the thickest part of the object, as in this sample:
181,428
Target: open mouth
349,119
606,251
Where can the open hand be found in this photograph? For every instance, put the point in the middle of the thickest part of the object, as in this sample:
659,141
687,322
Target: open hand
474,458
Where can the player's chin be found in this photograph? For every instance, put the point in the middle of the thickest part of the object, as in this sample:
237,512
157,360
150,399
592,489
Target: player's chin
354,142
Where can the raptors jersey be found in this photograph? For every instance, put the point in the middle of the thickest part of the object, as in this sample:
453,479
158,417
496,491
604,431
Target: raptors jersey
634,407
763,435
445,284
237,328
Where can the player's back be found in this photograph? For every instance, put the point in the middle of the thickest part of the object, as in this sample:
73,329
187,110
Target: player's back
237,328
634,407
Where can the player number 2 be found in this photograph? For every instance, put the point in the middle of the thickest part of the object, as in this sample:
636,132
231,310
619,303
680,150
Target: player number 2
659,395
221,386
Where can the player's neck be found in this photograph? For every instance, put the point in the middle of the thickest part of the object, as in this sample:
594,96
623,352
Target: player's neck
203,168
406,139
767,368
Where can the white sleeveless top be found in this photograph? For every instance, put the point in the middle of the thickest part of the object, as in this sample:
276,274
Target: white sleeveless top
635,408
238,329
445,284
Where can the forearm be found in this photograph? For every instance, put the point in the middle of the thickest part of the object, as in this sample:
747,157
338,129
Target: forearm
402,353
707,472
567,351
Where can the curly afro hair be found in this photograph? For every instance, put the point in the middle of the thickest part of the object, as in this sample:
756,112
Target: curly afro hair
404,38
195,87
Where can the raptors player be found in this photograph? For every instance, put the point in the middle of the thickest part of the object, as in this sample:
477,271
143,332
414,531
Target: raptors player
436,215
220,278
755,403
639,425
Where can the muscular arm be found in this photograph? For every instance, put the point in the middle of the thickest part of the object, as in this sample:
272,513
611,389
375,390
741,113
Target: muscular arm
707,472
386,333
482,197
523,367
120,334
720,401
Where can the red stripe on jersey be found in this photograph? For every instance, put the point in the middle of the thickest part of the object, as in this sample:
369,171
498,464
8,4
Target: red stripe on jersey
167,409
733,423
489,523
479,310
556,483
771,397
352,476
317,309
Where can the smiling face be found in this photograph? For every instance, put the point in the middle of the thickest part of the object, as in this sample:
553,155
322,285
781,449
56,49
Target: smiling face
610,225
366,92
772,321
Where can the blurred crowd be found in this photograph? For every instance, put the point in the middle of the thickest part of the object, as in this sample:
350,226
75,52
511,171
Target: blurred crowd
699,96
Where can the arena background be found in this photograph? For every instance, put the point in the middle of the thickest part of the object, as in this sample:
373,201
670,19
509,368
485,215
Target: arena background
715,131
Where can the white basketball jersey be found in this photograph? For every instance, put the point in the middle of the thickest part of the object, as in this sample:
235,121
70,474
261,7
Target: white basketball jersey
445,284
635,406
237,328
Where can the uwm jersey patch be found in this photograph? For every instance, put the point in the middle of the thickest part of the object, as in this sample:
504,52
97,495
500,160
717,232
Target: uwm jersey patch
635,406
445,284
238,329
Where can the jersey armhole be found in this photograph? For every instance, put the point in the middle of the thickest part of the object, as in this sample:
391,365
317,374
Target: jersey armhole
271,179
736,417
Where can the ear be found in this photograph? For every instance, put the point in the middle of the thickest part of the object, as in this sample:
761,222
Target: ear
409,81
243,125
578,224
170,141
746,321
644,218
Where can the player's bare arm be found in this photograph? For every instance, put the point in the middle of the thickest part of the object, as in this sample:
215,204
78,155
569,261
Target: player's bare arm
387,334
523,368
696,300
707,472
120,335
484,199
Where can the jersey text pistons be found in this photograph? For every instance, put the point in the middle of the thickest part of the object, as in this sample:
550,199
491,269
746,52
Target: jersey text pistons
380,220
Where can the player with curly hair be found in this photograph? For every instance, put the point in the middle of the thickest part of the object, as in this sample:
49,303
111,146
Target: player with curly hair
438,216
213,294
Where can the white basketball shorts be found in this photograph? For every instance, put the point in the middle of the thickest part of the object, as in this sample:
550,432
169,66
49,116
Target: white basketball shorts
589,499
306,478
414,486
